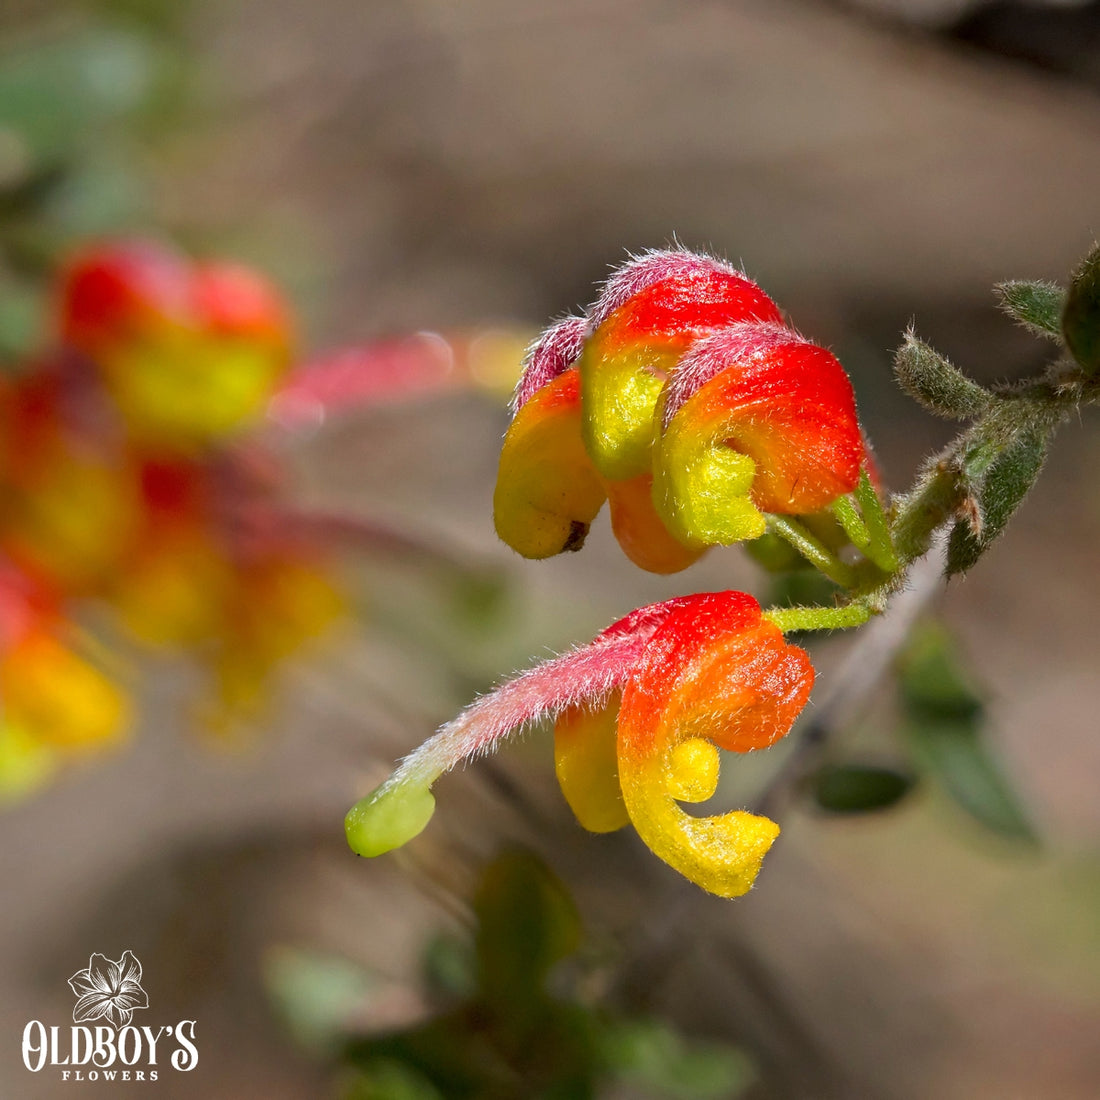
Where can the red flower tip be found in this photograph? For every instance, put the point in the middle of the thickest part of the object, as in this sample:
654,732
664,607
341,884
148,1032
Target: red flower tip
113,291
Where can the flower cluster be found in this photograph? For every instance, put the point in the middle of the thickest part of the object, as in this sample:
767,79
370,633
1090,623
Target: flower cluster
684,400
127,479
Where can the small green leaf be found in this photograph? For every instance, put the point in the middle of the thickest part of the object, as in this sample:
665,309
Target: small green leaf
943,726
858,788
526,923
936,383
1006,484
650,1055
1081,316
933,685
954,751
316,993
1035,305
775,554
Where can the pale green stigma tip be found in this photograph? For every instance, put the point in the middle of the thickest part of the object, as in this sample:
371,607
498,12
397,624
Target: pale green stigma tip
386,819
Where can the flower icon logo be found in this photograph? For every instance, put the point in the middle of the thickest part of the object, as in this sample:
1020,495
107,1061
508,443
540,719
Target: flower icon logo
108,990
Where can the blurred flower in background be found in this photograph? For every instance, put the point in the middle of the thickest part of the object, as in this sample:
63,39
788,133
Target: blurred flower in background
134,476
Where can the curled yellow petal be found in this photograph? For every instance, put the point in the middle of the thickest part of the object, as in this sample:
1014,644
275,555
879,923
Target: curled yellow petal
586,762
547,493
693,770
701,488
714,672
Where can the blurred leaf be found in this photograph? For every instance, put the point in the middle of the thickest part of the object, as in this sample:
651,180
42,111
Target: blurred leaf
1081,316
315,993
389,1079
1035,305
932,683
1003,490
526,923
21,320
858,788
955,752
936,383
651,1056
450,967
56,95
944,729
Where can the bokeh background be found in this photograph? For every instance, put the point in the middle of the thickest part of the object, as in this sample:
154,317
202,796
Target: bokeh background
406,165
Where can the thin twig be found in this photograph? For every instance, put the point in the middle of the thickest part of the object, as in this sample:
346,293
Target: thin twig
868,659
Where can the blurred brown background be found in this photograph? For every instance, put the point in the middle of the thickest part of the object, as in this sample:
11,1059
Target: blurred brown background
417,164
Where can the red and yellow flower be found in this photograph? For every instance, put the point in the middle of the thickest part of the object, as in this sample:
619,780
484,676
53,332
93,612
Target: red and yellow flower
684,401
641,714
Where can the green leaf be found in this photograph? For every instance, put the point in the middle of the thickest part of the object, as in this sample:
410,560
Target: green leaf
936,383
1006,484
1035,305
22,317
943,726
953,750
57,95
390,1079
933,685
775,554
316,993
650,1055
858,788
526,923
1081,316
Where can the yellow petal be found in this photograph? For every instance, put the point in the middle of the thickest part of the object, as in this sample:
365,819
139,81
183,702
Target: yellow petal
547,493
586,763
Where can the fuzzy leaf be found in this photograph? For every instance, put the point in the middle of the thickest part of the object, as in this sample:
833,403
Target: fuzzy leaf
1035,305
1081,316
858,788
1007,483
936,383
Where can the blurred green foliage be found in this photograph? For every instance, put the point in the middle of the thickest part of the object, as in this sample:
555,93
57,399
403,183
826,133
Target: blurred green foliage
858,788
512,1024
86,93
944,719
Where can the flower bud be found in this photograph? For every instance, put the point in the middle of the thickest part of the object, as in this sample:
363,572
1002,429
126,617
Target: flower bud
651,310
